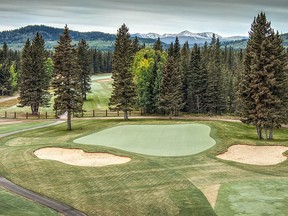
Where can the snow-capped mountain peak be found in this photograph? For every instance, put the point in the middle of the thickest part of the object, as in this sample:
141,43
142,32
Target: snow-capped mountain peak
187,36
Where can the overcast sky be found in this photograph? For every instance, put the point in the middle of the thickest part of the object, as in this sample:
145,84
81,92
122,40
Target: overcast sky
224,17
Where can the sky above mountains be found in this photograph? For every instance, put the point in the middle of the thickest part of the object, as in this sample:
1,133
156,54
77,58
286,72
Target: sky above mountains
224,17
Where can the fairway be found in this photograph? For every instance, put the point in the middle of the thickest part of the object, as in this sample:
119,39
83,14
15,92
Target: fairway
156,140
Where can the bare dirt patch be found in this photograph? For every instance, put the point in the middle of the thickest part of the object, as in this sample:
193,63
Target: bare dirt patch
256,155
211,193
9,121
78,157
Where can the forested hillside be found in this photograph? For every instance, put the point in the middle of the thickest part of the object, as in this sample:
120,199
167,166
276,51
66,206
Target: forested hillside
16,39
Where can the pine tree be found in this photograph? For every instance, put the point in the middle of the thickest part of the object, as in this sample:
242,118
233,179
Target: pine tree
158,45
135,45
184,67
66,80
123,89
34,80
5,86
215,99
196,83
263,86
168,95
85,64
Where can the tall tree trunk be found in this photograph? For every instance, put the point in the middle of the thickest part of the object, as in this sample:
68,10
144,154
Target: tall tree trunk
126,115
259,132
69,125
271,133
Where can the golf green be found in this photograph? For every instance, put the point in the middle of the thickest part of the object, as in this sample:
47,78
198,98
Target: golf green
156,140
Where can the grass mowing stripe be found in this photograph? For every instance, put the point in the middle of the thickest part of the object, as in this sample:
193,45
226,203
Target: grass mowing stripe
146,185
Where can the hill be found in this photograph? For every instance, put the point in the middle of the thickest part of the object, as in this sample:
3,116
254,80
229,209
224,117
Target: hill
15,39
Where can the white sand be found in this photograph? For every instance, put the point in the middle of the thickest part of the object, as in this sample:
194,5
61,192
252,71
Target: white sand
256,155
78,157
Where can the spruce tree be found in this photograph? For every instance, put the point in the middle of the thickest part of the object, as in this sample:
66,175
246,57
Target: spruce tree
196,83
66,81
85,64
158,45
215,99
263,85
184,67
123,89
169,98
135,45
34,79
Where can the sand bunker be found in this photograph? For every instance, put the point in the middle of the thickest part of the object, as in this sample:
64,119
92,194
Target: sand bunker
78,157
256,155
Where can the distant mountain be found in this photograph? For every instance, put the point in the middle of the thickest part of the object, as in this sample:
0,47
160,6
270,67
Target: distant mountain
15,39
102,41
192,38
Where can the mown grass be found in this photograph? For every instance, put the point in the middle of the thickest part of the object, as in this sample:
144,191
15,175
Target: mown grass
14,205
148,185
17,125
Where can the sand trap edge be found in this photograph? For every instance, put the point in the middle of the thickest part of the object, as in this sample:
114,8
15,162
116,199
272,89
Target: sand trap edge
77,157
255,155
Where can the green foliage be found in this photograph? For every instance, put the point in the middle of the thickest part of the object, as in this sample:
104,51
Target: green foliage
148,68
124,92
34,79
66,80
85,64
263,87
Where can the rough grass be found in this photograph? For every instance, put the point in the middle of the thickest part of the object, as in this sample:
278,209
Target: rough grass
147,185
14,205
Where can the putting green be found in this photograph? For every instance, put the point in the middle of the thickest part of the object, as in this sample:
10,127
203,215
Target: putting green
156,140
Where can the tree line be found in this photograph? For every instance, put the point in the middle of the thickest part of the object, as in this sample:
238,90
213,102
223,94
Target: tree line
11,66
251,83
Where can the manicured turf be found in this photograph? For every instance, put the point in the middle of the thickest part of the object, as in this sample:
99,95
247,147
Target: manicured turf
6,128
156,140
257,197
14,205
147,185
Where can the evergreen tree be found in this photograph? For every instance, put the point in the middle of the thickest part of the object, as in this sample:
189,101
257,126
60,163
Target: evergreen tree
84,61
123,89
158,45
66,81
135,45
5,76
34,80
184,64
263,86
215,99
197,83
167,93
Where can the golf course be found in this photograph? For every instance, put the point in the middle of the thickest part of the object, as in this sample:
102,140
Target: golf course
144,166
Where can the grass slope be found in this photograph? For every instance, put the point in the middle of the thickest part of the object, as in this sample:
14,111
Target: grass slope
14,205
